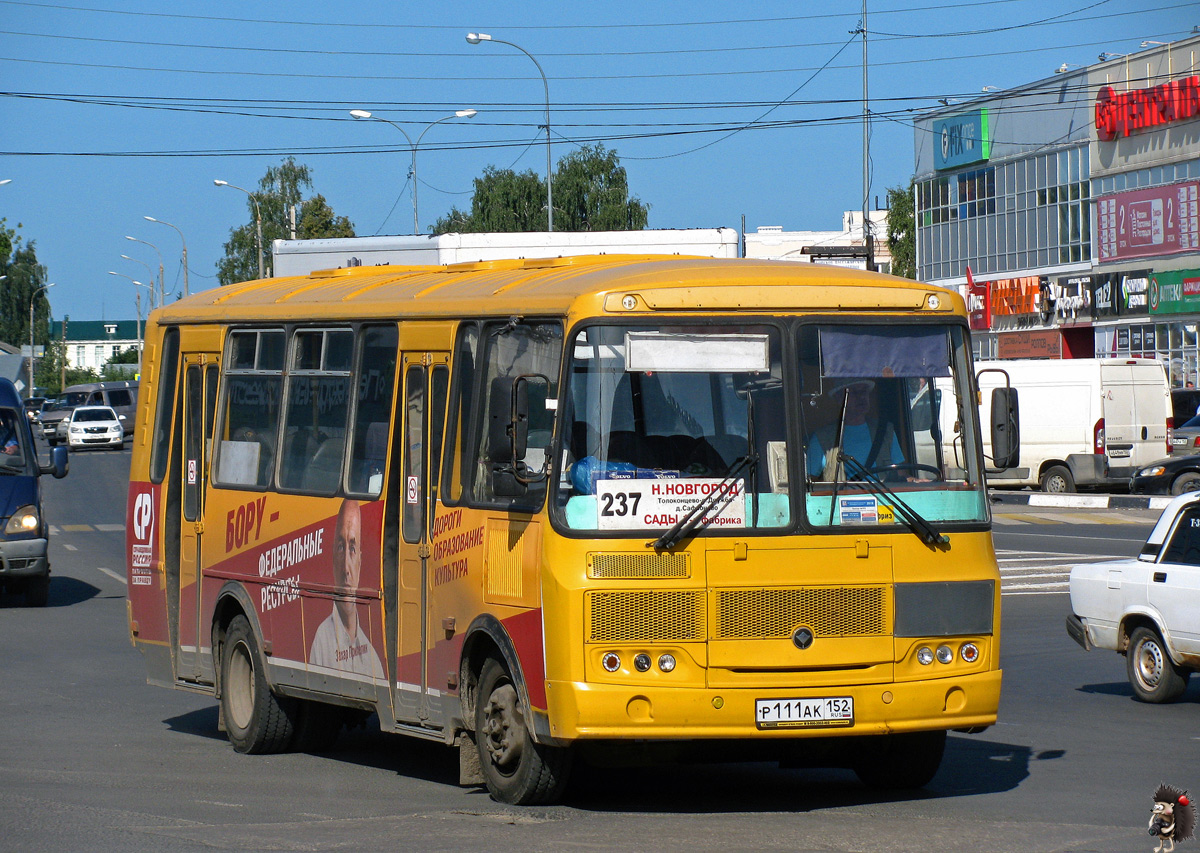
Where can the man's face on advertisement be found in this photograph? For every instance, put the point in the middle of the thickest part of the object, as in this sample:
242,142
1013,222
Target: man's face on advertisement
347,558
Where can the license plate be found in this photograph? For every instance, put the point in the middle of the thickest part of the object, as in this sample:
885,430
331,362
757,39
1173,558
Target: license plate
1119,452
804,713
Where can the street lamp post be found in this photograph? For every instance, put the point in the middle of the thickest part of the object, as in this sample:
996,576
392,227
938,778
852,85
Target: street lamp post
257,219
468,113
181,237
32,300
161,292
149,270
476,38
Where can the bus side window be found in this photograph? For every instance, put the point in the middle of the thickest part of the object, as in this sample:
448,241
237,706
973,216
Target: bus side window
250,399
511,350
458,464
375,390
318,404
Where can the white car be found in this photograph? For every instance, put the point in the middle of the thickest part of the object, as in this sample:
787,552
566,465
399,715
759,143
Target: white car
92,426
1147,608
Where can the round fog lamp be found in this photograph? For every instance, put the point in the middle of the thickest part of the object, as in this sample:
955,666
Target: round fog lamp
969,652
611,661
924,656
641,662
945,654
666,663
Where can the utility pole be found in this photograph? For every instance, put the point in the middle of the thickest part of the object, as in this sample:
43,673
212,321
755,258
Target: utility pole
866,142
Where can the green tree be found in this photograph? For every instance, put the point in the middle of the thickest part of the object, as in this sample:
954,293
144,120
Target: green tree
503,201
279,192
48,374
23,280
902,230
591,193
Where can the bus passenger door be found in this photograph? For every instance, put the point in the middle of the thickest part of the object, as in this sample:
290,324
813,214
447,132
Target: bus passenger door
198,409
419,431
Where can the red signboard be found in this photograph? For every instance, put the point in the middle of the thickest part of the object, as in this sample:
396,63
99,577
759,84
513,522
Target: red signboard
1015,296
1123,113
1145,223
978,304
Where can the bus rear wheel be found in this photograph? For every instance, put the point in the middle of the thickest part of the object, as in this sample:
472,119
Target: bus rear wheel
256,720
516,770
900,761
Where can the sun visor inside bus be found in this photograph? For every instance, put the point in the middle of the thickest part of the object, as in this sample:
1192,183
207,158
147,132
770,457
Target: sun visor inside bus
879,352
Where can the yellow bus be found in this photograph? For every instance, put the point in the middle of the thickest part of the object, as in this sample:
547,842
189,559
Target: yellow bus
538,508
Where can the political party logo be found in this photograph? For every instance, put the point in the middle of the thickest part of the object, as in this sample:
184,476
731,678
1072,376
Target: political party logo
142,552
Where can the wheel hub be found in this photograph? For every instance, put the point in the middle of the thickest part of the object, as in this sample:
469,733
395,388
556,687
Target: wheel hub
503,729
1150,664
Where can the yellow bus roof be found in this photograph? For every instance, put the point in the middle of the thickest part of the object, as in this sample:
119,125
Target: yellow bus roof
557,286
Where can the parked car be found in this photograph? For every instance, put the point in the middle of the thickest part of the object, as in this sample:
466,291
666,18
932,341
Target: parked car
1185,438
24,533
92,426
1147,608
1171,476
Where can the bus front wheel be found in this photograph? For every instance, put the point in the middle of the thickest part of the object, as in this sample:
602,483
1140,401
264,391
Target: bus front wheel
256,720
516,770
900,761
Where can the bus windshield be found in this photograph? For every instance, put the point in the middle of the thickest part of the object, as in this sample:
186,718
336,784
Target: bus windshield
689,426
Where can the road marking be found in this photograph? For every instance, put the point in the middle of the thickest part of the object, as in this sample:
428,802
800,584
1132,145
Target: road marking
76,528
113,574
70,547
110,528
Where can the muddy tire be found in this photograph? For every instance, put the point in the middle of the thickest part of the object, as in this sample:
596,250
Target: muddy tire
1152,675
256,720
516,770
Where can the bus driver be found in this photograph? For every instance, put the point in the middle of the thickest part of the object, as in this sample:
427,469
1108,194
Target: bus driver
862,437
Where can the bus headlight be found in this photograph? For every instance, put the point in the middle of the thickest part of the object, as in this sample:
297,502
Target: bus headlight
641,662
611,661
945,654
24,520
666,662
969,652
924,656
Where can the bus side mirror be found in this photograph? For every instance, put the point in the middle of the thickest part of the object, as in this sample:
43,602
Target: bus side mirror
1006,428
508,419
58,463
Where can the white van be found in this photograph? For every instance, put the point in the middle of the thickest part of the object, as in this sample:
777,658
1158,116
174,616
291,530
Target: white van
1084,421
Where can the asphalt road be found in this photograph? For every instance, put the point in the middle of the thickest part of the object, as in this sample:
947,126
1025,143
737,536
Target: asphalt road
95,759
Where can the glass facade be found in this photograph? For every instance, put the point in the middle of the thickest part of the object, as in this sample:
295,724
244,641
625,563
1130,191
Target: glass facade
1009,217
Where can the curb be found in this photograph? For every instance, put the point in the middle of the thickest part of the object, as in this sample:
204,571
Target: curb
1078,501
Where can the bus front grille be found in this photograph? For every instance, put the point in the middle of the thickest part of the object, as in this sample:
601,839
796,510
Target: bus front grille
774,613
646,616
622,566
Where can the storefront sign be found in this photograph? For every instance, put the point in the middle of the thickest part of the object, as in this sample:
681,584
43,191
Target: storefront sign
1045,343
1145,223
961,140
1175,292
1066,299
1124,113
1015,296
1106,290
1135,293
978,304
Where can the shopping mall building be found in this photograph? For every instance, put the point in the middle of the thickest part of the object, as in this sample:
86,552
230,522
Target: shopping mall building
1065,210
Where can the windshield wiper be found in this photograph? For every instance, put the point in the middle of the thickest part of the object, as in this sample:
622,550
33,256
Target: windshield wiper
925,531
698,515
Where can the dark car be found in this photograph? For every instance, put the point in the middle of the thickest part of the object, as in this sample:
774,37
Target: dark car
1185,404
24,564
1172,476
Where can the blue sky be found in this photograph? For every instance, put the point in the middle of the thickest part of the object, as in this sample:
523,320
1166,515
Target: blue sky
118,109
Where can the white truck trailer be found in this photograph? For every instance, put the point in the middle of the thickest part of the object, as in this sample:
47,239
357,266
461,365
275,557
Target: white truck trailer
1084,421
300,257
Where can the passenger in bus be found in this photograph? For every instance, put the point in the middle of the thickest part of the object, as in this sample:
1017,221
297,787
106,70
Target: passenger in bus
872,445
9,445
340,642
